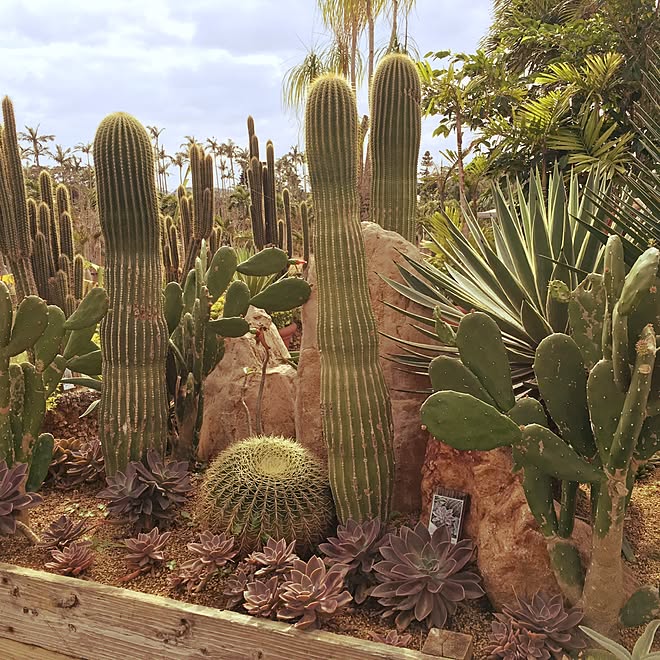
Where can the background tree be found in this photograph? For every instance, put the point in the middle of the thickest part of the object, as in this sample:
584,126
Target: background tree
37,144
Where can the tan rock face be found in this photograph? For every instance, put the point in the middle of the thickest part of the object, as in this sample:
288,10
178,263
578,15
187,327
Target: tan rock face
382,250
512,553
229,394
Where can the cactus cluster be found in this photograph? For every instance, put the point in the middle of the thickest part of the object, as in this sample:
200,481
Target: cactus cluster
197,339
134,338
267,229
55,344
396,127
607,419
15,242
267,487
57,269
355,403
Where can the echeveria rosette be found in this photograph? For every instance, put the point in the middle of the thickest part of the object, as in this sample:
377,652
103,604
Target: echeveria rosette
311,592
422,576
13,498
356,547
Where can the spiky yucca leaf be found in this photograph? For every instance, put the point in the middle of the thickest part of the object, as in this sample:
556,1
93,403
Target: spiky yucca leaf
537,238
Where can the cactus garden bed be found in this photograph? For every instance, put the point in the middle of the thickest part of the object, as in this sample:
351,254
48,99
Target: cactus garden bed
38,590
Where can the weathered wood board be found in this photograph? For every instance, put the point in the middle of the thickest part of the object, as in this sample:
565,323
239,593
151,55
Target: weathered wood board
97,622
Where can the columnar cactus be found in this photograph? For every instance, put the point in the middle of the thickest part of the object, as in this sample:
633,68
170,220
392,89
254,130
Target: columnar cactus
609,422
15,240
355,403
134,337
396,126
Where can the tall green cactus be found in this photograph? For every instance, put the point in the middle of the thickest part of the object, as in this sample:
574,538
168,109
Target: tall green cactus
355,403
608,423
134,337
396,126
15,240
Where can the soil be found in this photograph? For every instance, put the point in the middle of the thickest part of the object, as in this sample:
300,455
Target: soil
643,533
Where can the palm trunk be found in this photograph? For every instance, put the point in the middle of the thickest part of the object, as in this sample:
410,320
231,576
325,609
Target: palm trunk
370,31
395,15
461,169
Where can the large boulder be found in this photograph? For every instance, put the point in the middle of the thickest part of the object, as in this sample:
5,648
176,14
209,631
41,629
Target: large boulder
383,251
512,553
231,390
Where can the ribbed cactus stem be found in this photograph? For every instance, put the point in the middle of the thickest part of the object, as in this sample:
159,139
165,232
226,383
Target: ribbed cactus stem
78,277
286,200
66,235
62,200
304,220
134,406
355,403
270,206
394,144
15,239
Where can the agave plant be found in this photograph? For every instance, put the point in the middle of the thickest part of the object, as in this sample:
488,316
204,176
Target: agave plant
537,239
73,560
63,532
146,551
641,650
422,576
13,498
147,494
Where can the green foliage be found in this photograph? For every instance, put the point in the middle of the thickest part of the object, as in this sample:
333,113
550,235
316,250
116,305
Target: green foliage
267,487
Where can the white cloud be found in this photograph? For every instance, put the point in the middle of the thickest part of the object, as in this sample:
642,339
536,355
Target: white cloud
196,67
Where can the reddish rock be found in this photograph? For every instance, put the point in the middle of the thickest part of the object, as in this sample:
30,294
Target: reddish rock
229,395
512,554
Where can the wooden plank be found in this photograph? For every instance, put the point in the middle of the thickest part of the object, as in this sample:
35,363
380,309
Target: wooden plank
448,644
12,650
99,622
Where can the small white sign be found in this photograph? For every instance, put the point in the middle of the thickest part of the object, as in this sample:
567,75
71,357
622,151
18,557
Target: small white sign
448,511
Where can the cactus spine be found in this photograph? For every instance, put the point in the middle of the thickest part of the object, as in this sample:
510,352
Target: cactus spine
134,338
355,403
15,239
608,426
396,122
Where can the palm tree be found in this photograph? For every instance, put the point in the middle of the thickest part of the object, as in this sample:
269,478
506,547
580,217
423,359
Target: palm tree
179,160
190,140
85,148
37,143
155,133
298,78
230,150
63,158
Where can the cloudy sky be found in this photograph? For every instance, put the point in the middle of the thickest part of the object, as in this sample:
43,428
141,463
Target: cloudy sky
195,67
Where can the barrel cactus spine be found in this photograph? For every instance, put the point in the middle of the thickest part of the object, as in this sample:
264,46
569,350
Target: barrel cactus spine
395,100
134,339
267,486
355,403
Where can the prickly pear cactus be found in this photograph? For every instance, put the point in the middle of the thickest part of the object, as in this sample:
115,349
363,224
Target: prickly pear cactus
608,423
198,340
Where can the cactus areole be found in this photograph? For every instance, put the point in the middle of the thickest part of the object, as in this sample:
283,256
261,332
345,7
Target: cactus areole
134,338
355,403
